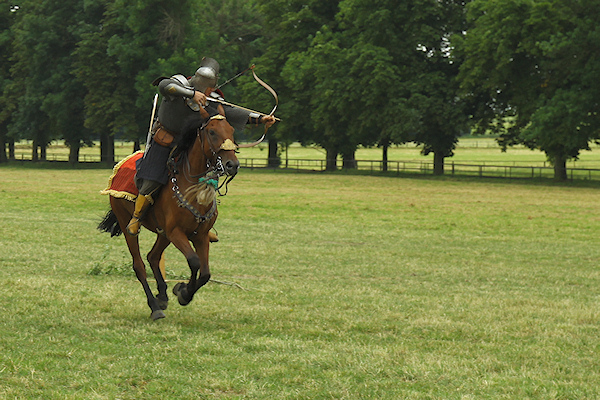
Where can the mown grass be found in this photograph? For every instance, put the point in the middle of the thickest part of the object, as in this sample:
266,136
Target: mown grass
353,288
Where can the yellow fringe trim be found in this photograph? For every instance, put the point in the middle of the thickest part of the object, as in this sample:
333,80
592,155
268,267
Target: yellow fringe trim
116,193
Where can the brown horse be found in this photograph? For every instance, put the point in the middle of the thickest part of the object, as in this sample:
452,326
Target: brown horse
184,211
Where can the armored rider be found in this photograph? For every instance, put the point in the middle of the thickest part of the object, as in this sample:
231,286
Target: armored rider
181,98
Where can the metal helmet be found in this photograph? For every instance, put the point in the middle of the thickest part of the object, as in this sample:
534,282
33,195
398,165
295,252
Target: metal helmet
206,75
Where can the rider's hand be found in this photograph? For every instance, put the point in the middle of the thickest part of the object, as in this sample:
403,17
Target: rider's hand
199,98
268,120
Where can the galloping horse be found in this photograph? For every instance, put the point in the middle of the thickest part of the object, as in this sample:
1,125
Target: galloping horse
184,211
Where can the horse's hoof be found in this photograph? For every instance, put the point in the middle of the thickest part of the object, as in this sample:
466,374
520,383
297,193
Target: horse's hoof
177,288
178,291
158,314
163,304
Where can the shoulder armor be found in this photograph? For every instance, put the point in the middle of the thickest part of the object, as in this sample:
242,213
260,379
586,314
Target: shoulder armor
183,80
175,87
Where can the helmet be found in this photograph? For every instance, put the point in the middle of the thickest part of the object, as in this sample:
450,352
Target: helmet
206,75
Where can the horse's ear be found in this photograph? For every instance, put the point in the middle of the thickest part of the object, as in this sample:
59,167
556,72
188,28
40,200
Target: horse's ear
221,110
204,113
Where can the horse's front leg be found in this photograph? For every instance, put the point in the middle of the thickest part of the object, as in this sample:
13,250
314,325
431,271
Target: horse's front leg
154,257
198,263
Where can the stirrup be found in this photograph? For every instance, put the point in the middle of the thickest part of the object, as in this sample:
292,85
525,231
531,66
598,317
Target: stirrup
132,222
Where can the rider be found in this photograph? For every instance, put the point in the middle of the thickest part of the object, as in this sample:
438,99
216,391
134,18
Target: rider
181,98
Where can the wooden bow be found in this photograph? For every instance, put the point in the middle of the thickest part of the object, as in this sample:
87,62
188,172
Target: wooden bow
269,88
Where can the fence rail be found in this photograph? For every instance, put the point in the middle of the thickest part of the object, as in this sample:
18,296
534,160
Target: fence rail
476,169
481,170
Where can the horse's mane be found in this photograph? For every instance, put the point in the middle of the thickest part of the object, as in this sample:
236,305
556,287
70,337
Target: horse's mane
186,139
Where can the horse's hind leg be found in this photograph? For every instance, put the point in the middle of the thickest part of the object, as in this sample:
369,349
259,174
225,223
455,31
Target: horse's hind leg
154,257
140,273
138,264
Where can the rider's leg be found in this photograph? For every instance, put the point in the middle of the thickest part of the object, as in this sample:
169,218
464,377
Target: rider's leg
141,205
142,202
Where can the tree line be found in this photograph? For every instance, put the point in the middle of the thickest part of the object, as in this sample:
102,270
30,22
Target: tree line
348,73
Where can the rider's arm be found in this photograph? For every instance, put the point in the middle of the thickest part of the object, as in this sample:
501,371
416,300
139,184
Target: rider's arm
172,88
255,119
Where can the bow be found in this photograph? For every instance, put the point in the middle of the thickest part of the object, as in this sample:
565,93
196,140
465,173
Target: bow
260,81
269,88
263,84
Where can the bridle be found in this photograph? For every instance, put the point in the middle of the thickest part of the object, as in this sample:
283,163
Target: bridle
214,162
214,170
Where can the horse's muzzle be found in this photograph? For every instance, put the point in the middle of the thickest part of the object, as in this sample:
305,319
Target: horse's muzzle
231,167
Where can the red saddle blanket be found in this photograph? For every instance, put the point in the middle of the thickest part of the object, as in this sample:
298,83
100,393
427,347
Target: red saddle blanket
121,183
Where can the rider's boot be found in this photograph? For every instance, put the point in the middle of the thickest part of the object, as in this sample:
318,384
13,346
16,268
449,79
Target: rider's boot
141,205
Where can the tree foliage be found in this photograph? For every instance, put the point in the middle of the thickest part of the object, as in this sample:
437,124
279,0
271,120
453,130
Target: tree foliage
530,68
7,107
367,73
349,73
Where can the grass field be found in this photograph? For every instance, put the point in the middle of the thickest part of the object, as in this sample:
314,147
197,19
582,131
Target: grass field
351,288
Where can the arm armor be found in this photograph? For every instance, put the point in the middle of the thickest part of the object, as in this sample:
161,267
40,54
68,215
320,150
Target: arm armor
254,118
172,89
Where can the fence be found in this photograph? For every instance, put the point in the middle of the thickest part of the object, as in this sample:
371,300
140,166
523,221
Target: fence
426,167
475,169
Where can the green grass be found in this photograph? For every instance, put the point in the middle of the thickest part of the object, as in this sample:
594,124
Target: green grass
355,288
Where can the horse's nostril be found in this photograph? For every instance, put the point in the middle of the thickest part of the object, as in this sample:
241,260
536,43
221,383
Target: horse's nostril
231,167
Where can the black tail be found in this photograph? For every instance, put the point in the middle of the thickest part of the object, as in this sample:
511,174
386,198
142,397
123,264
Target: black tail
110,224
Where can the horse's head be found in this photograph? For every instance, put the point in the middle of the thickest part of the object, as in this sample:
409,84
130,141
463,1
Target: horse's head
218,143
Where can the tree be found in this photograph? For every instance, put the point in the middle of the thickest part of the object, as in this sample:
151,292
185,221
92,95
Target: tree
288,29
31,51
7,17
64,101
134,43
236,40
145,39
530,70
50,98
443,115
367,74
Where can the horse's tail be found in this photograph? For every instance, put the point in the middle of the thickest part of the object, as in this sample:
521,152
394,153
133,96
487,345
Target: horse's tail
110,224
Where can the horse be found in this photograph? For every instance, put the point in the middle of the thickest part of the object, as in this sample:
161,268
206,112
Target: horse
185,210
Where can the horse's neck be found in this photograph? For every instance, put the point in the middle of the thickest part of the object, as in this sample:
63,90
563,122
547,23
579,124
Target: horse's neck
195,163
196,193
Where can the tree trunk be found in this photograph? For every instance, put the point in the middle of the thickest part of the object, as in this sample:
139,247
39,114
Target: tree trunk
3,157
349,160
560,168
11,148
438,163
274,160
107,148
74,153
43,148
34,151
136,145
331,163
384,166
